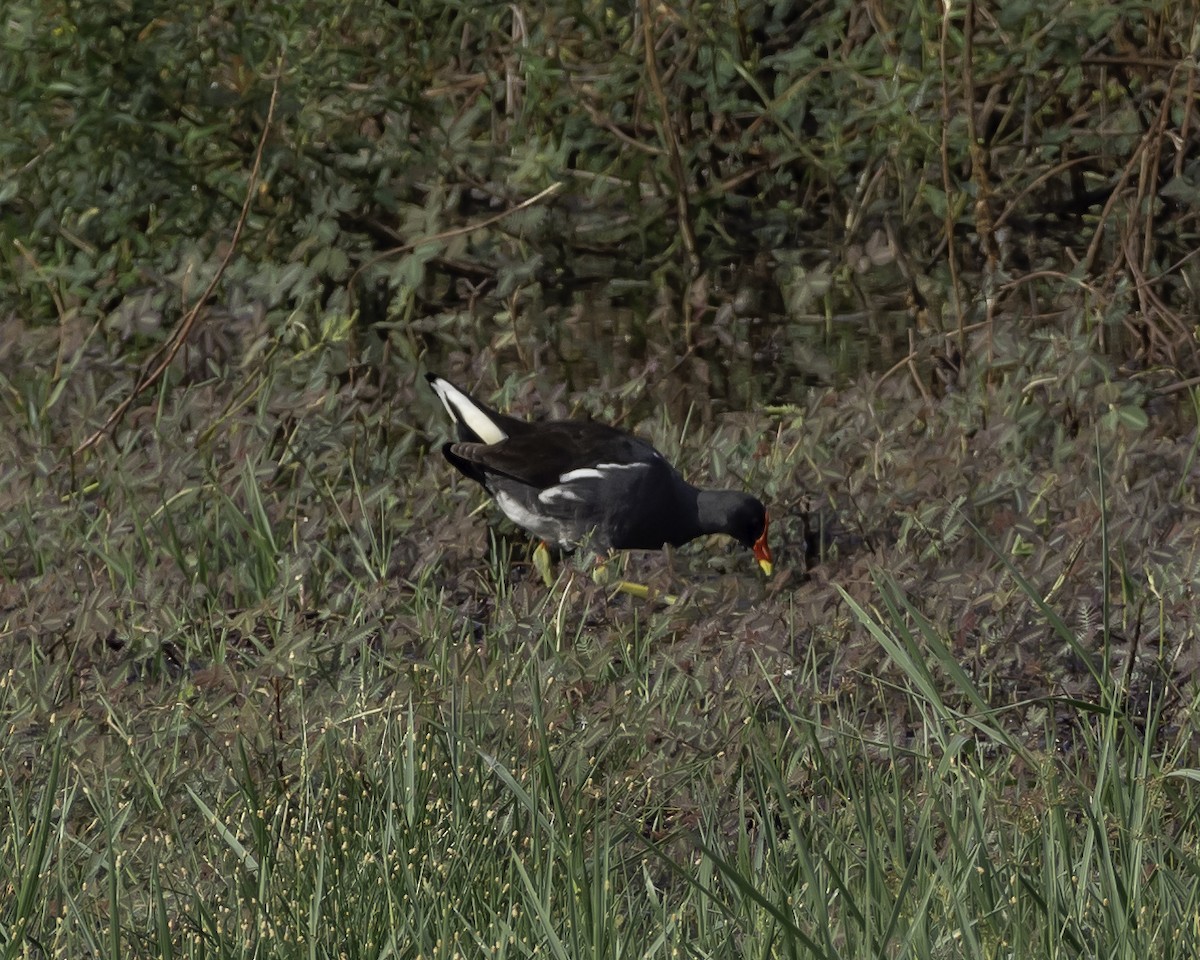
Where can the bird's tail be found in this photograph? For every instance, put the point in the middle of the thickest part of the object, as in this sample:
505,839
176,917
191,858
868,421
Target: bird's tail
475,422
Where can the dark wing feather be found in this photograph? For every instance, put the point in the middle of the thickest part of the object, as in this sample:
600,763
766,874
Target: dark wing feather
539,457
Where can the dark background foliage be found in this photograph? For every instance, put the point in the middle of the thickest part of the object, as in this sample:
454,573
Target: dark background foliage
996,159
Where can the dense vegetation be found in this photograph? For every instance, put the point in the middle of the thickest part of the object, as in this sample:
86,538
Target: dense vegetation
926,279
988,159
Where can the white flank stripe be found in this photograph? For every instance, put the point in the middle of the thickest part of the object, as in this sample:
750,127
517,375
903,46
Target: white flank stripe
539,526
515,512
461,409
639,465
598,471
550,494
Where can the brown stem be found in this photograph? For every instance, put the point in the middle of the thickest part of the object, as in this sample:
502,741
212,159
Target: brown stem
168,351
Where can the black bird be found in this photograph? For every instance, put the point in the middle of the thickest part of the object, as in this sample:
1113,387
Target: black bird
563,480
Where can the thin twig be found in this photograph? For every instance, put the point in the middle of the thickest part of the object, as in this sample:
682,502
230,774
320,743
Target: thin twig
1177,386
454,232
171,348
947,186
668,128
912,369
604,122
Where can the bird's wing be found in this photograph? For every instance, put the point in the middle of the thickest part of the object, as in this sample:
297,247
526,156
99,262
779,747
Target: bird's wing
555,450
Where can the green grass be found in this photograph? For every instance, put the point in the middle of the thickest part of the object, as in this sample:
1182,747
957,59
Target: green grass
471,811
283,689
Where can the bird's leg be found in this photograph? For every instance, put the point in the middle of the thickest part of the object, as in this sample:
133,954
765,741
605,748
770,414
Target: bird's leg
639,590
643,592
600,570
